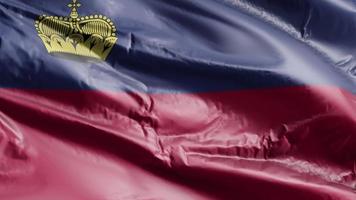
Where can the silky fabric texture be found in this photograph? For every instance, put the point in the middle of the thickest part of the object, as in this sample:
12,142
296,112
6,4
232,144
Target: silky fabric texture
199,99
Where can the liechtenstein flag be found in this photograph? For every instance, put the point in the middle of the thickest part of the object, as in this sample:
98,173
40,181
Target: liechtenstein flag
177,99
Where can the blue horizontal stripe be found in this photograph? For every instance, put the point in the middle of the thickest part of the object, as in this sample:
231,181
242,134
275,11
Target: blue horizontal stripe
176,46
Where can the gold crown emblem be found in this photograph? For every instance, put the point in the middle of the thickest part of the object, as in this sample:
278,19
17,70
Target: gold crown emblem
91,36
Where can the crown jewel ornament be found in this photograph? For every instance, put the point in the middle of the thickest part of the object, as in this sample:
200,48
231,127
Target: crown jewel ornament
90,36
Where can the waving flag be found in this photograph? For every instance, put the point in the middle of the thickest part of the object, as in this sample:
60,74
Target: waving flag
177,99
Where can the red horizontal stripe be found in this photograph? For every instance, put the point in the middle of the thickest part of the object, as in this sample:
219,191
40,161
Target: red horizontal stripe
291,143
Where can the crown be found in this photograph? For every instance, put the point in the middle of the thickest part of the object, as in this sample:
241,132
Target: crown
91,36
